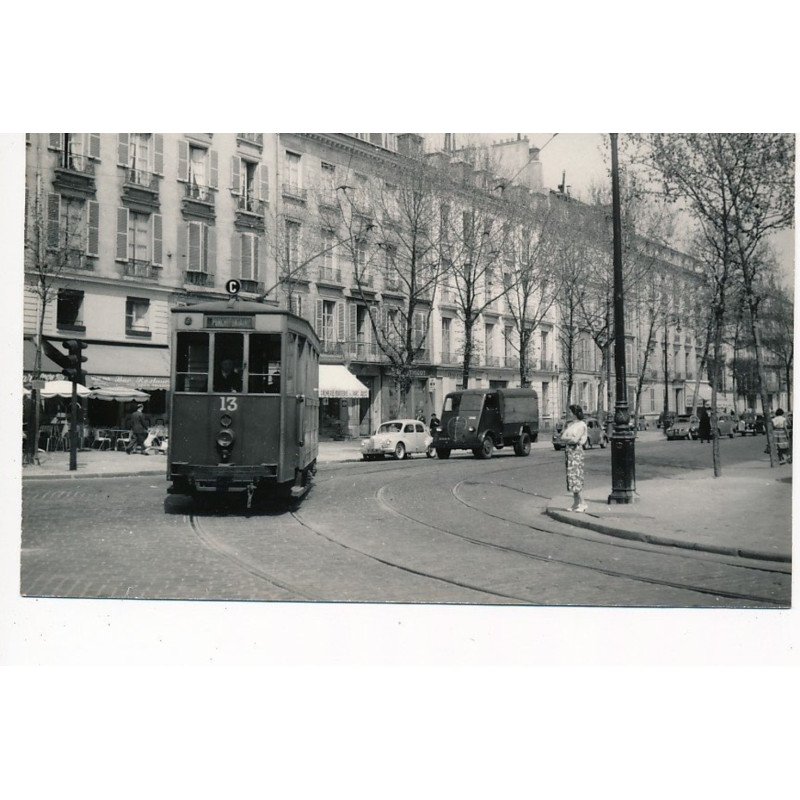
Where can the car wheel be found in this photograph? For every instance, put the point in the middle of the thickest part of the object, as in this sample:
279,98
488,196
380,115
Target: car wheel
400,451
603,441
486,449
523,446
442,452
429,452
730,435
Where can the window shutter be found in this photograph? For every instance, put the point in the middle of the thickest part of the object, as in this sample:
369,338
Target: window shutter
211,249
318,326
55,141
340,308
236,176
263,182
255,258
122,149
247,257
194,247
158,241
94,145
353,320
122,234
236,255
183,245
93,239
213,162
53,215
183,161
158,153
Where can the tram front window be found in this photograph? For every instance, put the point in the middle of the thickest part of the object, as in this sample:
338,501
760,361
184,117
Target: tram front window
191,367
265,364
228,361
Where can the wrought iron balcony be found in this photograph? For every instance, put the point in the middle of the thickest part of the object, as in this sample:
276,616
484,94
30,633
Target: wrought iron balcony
199,278
363,351
202,194
134,268
364,279
72,162
330,347
76,260
329,275
141,178
392,283
294,191
452,358
250,204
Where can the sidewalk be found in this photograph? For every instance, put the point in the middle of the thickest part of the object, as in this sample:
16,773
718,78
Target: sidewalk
107,463
752,515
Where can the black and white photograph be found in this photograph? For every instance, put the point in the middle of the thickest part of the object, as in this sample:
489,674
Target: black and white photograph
408,464
409,368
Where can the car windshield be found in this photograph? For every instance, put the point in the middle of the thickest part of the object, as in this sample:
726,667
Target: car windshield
683,418
390,427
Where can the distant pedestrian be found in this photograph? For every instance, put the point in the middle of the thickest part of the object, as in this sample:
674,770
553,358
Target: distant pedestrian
434,423
420,415
704,429
138,431
781,436
574,436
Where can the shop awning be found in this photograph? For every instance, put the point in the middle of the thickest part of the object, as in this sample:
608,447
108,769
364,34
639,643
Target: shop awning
111,365
337,381
703,392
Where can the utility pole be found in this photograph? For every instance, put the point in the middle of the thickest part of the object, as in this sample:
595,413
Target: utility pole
623,439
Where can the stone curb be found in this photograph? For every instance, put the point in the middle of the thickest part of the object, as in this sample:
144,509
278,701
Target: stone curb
585,521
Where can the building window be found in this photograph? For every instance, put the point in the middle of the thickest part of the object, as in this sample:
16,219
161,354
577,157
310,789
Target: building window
200,246
292,250
420,329
488,344
293,171
69,309
198,166
328,179
71,223
249,267
139,236
137,315
446,328
543,351
327,332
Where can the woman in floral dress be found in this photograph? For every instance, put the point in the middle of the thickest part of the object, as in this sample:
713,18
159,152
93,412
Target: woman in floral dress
574,437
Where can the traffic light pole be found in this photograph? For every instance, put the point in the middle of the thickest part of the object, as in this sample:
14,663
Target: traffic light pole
73,432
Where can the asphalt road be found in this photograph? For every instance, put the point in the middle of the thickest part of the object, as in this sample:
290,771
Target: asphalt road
418,531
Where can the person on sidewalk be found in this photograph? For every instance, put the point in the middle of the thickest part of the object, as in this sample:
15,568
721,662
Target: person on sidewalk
704,429
574,437
782,444
138,431
434,423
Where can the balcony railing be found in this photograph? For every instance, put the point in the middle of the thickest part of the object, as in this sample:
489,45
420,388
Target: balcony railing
139,177
252,138
256,287
330,347
77,163
512,361
77,260
200,193
199,278
139,269
294,191
250,204
329,274
392,283
493,361
363,351
364,279
452,358
448,296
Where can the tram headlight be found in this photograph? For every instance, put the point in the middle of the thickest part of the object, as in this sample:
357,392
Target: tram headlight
225,438
225,420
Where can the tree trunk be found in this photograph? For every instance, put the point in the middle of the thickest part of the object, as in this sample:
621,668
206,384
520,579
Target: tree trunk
718,313
467,353
766,405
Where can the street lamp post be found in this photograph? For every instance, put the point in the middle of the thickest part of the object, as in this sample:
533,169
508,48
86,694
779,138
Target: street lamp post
623,461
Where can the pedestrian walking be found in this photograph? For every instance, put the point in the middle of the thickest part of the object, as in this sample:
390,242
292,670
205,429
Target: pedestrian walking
434,423
704,429
138,431
781,436
574,437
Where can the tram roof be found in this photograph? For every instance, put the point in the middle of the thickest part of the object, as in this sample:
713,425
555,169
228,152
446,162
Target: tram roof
228,307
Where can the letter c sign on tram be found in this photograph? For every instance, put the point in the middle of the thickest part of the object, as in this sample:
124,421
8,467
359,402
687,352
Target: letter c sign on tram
233,286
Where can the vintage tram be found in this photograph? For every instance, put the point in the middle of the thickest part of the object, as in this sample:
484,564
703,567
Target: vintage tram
244,407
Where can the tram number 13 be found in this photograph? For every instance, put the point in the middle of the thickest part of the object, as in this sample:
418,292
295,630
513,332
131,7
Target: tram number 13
227,404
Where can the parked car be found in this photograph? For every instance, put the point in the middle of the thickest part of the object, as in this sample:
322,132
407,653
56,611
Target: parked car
685,426
595,430
725,425
750,423
398,438
484,419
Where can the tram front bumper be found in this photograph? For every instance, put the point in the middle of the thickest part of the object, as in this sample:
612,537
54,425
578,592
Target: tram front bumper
221,477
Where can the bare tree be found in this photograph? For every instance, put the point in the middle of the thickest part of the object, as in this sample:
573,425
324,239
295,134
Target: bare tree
777,319
738,189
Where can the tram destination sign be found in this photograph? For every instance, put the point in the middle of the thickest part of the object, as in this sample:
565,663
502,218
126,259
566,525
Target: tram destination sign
228,321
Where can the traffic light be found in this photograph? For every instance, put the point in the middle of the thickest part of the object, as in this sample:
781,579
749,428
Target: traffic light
74,372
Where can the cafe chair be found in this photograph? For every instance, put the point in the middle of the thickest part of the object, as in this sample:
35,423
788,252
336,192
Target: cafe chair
124,440
102,440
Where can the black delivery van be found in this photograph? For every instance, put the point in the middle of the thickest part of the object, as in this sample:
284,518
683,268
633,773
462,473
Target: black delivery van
484,419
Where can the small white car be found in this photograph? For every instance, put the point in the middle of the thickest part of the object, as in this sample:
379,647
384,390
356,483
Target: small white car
398,438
